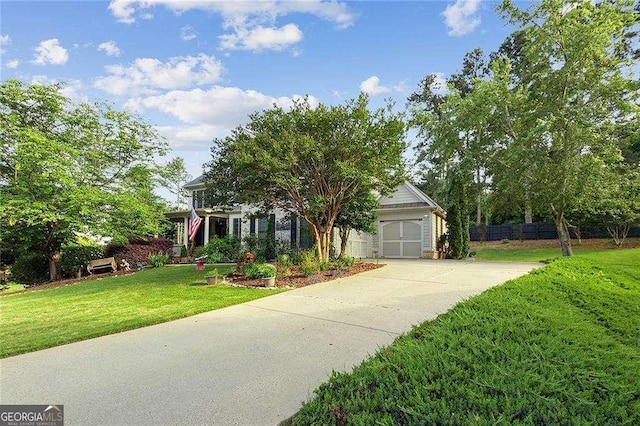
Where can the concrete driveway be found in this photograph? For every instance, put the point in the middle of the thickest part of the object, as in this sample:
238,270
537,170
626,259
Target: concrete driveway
253,363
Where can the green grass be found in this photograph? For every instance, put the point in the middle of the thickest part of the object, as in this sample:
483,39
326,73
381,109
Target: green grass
41,319
558,346
511,253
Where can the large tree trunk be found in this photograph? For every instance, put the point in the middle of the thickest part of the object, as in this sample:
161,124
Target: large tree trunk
528,209
54,266
563,234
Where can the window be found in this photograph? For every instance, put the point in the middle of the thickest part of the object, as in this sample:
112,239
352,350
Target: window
198,199
236,227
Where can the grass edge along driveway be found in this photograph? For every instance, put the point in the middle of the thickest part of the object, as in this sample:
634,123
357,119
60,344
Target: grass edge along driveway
559,345
41,319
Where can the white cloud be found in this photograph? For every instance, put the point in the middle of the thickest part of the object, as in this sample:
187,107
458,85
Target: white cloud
4,41
461,17
261,38
192,137
188,33
12,64
371,86
147,75
247,20
223,107
334,11
50,52
110,48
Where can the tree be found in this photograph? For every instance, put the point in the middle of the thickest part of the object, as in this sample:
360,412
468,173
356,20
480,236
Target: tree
173,176
67,168
359,215
458,214
455,126
309,162
578,82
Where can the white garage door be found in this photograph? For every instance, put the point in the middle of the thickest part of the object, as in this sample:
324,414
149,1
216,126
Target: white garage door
402,238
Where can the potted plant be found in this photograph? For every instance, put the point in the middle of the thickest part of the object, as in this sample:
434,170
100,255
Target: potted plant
267,272
212,277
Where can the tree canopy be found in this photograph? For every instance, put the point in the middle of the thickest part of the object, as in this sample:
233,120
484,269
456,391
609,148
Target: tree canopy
309,161
544,124
69,168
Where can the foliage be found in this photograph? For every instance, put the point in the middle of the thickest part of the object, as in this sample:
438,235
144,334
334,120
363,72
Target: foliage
560,343
309,161
183,251
224,249
138,250
76,258
358,215
345,261
66,167
309,263
259,270
30,269
457,217
577,90
173,176
51,317
157,260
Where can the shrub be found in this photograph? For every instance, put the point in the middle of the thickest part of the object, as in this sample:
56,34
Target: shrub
138,251
157,260
30,269
309,264
259,270
345,261
222,249
296,257
183,251
76,258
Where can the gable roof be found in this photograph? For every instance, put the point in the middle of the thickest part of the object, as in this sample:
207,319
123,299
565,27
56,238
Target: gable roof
407,195
199,181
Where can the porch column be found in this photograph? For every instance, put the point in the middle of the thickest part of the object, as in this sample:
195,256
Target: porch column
185,232
206,229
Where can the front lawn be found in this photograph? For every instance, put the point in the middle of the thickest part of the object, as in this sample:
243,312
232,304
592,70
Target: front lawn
541,250
560,345
50,317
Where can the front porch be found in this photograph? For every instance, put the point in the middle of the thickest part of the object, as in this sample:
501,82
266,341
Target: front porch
216,223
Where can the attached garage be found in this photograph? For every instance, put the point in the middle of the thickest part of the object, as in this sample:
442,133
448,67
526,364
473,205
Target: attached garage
409,225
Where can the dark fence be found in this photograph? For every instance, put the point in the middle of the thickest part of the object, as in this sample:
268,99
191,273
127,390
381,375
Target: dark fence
534,231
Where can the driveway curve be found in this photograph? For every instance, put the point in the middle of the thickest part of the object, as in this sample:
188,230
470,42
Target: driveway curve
253,363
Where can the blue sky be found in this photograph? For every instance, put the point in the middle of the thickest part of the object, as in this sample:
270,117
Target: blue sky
196,69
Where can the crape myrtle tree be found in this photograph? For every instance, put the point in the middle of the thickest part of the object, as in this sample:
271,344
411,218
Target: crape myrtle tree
311,162
359,215
69,168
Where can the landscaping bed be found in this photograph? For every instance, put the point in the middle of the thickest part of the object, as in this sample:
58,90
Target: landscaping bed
296,279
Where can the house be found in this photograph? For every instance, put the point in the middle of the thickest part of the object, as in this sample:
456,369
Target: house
409,224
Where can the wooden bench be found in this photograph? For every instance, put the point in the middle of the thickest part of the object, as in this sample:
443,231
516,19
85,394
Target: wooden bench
108,262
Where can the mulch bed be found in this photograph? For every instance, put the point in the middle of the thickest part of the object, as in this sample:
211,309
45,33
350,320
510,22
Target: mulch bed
297,279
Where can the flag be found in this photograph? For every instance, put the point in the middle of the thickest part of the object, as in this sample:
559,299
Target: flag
194,224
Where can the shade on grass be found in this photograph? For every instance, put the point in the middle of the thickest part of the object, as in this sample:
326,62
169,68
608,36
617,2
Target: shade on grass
558,346
51,317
